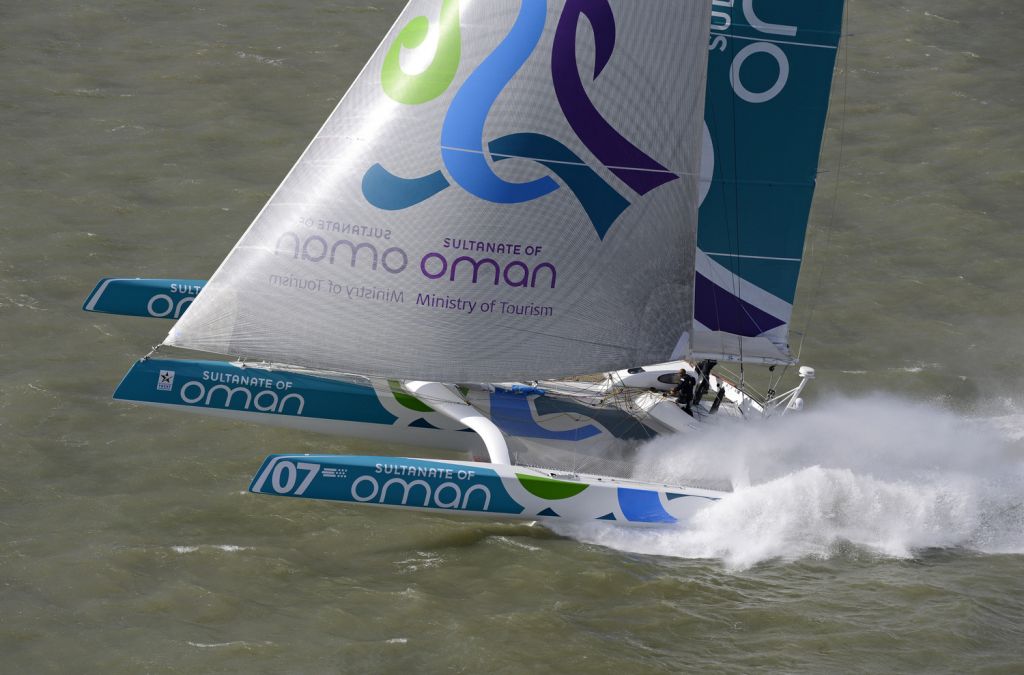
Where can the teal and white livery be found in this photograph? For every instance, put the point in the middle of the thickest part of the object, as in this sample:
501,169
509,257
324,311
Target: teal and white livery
769,76
380,411
475,488
157,298
508,195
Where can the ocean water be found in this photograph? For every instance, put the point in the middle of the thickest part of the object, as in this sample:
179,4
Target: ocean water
880,530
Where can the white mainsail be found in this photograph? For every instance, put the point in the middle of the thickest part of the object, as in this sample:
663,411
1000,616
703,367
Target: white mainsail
509,192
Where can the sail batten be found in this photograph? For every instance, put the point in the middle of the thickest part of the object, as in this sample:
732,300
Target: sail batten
570,155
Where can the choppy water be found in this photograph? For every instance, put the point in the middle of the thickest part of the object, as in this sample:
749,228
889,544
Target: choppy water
882,530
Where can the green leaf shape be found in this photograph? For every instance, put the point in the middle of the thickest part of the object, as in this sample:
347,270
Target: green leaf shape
407,400
432,82
550,488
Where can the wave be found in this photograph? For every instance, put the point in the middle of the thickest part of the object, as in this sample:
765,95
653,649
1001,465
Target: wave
883,474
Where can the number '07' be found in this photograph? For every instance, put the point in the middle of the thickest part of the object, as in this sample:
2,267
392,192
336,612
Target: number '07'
283,476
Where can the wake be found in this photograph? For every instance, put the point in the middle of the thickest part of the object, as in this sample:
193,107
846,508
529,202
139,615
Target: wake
884,474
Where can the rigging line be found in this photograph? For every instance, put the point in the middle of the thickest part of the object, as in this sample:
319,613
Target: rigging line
830,229
504,155
753,257
738,262
780,42
734,232
785,369
726,184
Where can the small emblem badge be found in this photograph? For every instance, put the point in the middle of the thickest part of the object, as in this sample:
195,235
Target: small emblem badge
166,381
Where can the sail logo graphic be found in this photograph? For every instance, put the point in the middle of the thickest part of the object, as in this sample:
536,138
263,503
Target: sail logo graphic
466,160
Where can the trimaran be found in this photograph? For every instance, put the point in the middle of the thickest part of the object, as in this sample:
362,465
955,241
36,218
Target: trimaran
508,195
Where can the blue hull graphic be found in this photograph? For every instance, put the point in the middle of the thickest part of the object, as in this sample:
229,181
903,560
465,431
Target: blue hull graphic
293,400
219,386
379,411
157,298
477,488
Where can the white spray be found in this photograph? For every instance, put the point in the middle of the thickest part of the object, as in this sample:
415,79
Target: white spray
880,473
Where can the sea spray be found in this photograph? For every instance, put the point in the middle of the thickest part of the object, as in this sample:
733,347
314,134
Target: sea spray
880,474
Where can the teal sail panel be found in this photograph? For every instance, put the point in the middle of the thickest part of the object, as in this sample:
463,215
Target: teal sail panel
769,77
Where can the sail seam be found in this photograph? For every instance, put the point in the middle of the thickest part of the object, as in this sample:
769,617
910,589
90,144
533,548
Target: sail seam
753,257
782,42
545,160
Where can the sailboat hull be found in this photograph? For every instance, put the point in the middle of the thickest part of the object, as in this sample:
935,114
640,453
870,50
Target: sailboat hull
381,411
475,488
378,411
153,298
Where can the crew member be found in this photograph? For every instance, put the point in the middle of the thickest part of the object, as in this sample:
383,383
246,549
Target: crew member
684,391
703,379
718,398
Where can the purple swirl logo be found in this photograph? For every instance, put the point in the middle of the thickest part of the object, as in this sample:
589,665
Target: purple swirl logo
468,163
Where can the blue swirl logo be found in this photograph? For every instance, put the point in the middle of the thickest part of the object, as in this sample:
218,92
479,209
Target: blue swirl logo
466,160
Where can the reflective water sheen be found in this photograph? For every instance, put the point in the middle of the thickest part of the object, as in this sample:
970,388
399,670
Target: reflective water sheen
881,531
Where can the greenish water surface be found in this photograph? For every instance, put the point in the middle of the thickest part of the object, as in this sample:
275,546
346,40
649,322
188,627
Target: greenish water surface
881,532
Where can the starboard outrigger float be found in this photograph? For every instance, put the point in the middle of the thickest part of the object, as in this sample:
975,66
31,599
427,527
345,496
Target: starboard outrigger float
491,202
